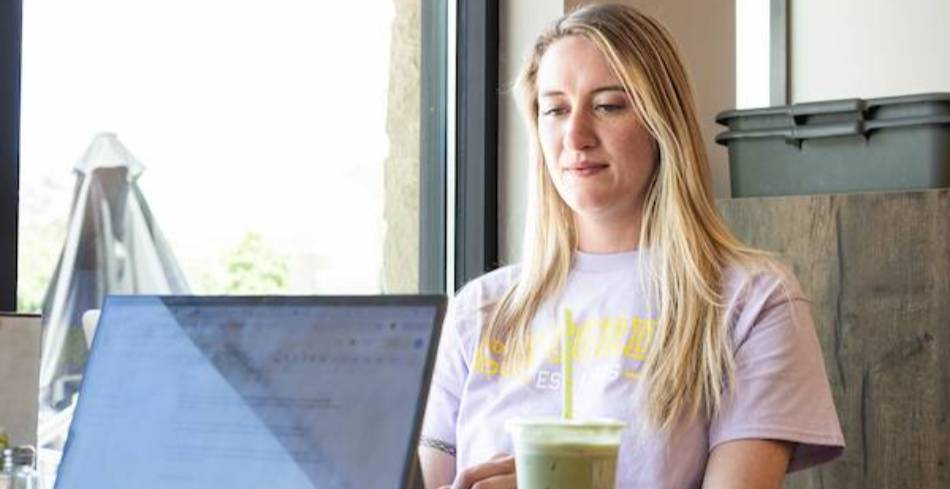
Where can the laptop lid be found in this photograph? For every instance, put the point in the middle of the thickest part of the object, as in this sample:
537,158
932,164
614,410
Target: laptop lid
252,392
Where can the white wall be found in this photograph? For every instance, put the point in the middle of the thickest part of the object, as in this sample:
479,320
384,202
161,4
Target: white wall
868,48
520,21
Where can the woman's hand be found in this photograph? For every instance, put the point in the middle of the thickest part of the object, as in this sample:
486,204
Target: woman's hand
497,473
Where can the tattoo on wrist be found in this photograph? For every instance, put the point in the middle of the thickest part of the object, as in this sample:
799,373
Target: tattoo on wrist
438,445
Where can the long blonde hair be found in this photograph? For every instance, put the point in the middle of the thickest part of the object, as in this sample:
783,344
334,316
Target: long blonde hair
690,362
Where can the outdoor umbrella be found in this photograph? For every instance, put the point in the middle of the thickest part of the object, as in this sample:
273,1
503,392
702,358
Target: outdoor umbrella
113,246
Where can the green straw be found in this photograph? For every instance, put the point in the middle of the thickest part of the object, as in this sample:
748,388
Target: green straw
567,364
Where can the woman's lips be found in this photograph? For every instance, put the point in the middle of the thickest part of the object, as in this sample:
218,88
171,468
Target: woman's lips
586,170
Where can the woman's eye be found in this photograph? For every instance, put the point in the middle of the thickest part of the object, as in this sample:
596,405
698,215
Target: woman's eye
607,108
554,111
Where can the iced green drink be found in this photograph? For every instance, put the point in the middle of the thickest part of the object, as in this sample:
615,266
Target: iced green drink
566,454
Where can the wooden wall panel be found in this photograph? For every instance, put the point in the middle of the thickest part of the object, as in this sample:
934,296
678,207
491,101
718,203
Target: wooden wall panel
877,267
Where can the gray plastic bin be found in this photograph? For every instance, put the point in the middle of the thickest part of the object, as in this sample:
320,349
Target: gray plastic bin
852,145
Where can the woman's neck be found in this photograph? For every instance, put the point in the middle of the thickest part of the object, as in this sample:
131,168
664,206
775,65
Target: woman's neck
607,236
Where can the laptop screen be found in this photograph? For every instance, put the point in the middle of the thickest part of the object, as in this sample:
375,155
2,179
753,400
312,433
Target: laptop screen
238,392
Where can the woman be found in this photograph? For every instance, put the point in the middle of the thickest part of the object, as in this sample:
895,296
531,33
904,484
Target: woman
702,345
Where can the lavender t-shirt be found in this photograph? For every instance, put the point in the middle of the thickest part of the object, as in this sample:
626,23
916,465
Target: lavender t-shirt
782,390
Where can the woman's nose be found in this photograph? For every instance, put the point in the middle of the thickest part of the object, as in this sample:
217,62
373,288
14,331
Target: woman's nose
579,133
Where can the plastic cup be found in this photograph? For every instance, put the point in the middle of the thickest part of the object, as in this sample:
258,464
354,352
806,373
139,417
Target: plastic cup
555,453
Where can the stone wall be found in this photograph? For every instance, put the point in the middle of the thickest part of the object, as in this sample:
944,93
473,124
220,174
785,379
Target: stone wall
401,177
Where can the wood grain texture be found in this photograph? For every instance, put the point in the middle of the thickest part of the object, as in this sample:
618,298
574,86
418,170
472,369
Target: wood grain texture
877,267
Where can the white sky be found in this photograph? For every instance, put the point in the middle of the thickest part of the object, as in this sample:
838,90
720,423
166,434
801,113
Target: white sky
266,116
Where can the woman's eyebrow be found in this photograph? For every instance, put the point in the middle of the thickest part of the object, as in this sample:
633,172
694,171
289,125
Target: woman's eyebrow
609,88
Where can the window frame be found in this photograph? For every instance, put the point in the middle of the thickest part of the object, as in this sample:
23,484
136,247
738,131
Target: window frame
472,199
476,159
11,26
778,53
433,146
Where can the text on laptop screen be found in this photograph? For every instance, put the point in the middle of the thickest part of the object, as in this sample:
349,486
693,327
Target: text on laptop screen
251,392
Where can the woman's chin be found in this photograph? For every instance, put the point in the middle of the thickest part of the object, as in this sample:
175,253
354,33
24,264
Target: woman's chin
590,202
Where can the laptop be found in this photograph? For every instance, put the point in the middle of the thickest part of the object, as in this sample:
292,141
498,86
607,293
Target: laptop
250,392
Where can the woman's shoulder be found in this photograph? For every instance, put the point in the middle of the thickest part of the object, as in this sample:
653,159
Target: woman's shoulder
758,294
761,281
482,293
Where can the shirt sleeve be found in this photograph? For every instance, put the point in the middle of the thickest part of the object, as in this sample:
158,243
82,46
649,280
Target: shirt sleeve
781,390
448,379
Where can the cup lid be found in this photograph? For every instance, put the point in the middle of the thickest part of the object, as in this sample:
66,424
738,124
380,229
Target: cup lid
595,431
561,422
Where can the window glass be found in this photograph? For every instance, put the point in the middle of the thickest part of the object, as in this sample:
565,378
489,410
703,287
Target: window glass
753,19
279,139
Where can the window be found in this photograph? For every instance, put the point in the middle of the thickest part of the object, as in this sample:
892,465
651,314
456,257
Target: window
280,145
230,124
761,53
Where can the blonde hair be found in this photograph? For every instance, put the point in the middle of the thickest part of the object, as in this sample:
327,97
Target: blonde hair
690,362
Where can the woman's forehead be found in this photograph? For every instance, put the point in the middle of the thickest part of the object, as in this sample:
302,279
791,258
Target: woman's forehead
574,64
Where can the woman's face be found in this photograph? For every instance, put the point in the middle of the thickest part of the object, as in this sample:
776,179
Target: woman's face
597,153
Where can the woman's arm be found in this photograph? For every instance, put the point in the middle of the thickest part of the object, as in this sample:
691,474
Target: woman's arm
438,467
748,464
438,471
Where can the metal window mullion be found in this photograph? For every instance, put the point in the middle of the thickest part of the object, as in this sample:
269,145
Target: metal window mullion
779,93
476,249
432,188
11,25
